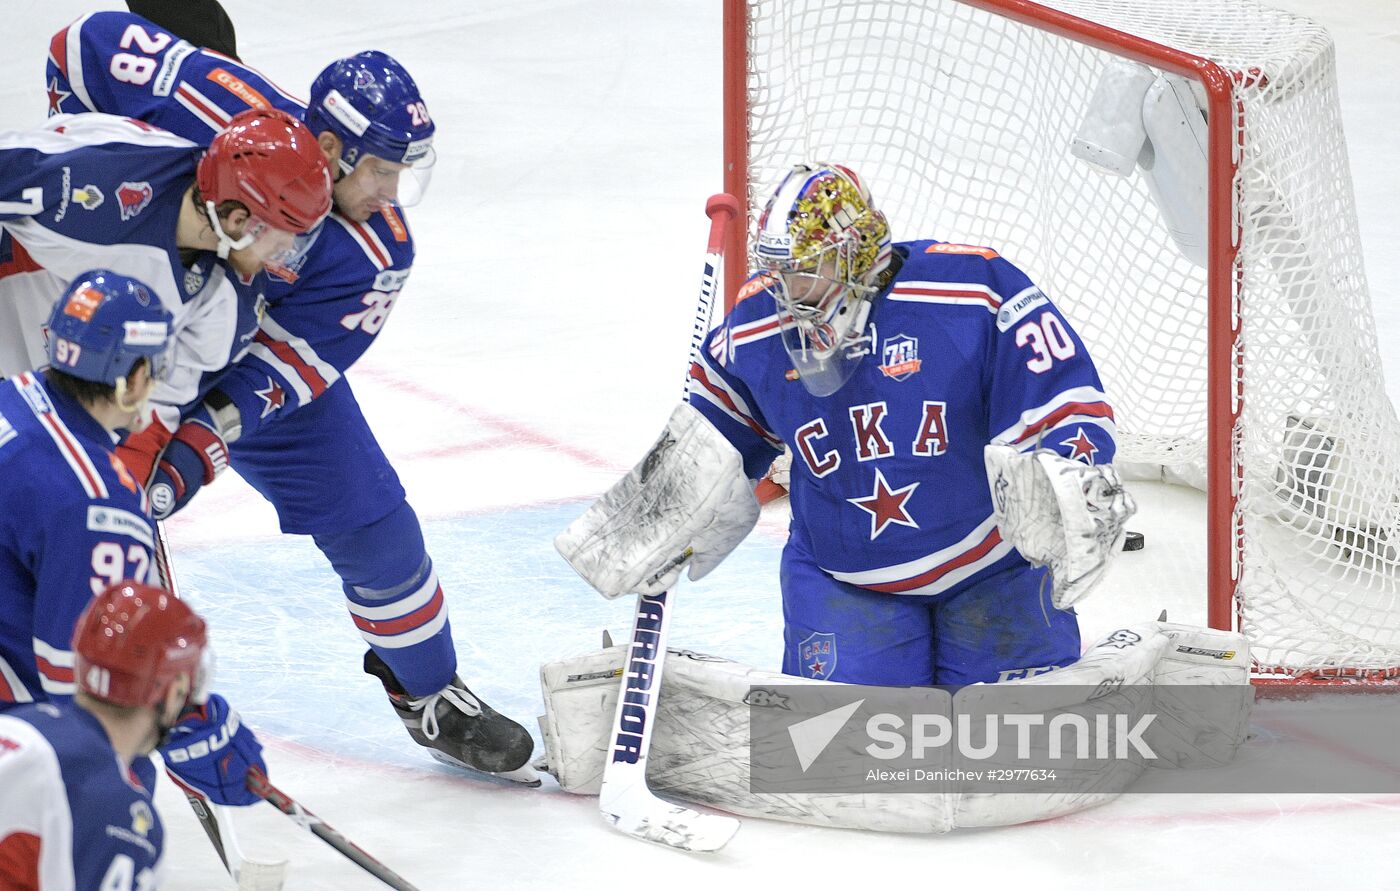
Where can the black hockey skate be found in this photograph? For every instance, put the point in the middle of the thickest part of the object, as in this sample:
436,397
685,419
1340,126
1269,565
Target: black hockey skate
457,728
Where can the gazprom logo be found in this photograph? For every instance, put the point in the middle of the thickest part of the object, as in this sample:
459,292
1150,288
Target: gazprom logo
774,244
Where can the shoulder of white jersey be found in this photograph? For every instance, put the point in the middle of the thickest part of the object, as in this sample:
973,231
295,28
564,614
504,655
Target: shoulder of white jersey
29,771
384,239
66,132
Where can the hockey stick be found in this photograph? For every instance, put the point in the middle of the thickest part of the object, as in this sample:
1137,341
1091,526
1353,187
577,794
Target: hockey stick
258,783
249,875
625,800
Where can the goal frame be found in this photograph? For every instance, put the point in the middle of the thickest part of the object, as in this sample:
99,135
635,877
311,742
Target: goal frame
1224,356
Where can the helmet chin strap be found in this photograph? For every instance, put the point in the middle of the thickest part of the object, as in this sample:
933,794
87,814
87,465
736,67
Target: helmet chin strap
226,244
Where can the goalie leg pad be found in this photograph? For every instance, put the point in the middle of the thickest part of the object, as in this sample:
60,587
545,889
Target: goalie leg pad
688,501
700,750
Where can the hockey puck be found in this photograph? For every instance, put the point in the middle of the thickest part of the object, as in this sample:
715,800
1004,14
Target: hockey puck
1134,541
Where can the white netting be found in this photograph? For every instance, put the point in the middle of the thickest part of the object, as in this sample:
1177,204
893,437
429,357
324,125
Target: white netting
961,121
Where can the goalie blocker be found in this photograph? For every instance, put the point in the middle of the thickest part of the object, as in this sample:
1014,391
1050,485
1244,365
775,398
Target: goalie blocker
686,502
701,742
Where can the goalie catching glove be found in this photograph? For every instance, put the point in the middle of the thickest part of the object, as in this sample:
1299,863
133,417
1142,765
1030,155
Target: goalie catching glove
687,501
1059,513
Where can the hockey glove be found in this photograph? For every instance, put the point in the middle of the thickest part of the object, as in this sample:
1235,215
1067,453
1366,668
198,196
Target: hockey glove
211,750
139,452
195,455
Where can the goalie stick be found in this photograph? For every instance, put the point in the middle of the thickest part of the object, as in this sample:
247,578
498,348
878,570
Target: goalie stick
258,783
625,800
248,875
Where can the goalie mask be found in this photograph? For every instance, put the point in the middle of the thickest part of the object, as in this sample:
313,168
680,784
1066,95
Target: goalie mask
824,245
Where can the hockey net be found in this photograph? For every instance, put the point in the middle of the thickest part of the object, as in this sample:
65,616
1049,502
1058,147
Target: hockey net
1255,377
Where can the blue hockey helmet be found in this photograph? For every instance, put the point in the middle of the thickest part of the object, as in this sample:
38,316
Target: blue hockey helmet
372,104
103,323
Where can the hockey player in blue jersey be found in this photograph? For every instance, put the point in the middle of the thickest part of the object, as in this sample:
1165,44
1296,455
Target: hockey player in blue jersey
285,414
73,520
72,816
197,225
906,378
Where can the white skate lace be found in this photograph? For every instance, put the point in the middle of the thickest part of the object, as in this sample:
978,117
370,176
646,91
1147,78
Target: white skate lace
459,697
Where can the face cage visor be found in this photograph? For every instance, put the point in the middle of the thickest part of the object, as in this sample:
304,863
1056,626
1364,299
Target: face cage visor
276,248
825,341
406,181
822,315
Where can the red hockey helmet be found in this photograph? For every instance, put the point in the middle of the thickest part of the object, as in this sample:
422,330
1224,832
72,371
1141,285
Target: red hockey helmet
131,643
269,161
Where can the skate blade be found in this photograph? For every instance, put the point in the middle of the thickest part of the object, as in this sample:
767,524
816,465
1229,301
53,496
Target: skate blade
523,775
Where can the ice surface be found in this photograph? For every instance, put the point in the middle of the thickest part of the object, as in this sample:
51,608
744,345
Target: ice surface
535,355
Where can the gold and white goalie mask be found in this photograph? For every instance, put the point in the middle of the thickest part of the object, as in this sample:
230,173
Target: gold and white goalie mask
823,245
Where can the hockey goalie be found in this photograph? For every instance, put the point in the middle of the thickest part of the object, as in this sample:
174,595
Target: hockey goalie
951,491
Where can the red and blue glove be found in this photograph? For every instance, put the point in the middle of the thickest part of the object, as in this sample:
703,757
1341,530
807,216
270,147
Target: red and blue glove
173,467
212,750
194,456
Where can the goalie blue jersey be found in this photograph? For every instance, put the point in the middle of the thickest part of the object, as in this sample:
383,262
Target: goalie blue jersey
888,487
322,315
72,522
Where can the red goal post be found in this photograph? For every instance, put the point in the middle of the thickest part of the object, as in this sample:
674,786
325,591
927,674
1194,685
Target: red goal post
846,80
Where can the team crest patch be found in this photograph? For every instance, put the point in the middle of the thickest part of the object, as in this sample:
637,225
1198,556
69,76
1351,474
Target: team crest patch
901,357
89,197
194,279
142,821
133,198
817,655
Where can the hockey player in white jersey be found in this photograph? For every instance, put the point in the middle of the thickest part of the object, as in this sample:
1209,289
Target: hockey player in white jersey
198,227
284,416
71,818
946,425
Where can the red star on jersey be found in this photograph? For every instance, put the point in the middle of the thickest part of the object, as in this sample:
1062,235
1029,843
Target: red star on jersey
886,505
818,669
273,397
56,96
1081,446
